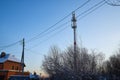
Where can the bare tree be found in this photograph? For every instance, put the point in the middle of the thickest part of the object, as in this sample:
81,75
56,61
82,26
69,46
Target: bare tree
112,66
61,63
52,60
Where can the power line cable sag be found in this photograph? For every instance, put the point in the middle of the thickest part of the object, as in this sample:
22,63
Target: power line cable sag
33,52
91,8
53,30
57,22
10,45
64,18
70,14
81,6
113,2
97,6
48,38
36,37
100,4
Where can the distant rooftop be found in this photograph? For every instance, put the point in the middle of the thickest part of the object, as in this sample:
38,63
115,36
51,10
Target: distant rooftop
4,57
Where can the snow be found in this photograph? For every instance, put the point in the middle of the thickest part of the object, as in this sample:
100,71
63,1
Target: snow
10,58
34,76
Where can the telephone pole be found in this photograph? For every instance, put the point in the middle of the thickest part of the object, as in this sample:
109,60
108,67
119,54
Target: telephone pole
22,58
74,26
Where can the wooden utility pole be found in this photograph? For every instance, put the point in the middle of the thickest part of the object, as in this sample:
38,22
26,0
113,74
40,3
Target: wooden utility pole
22,58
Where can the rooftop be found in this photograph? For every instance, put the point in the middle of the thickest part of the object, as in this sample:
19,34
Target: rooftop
4,57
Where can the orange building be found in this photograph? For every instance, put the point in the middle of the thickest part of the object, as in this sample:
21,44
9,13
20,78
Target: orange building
9,65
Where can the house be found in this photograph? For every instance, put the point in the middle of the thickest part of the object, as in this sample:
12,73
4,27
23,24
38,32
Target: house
10,65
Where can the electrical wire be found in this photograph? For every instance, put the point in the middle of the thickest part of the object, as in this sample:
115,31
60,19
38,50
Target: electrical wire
113,3
10,45
33,51
49,29
98,5
36,37
91,8
81,6
52,30
95,8
48,38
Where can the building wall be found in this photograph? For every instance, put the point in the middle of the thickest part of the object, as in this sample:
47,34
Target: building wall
4,75
10,65
1,66
15,73
9,68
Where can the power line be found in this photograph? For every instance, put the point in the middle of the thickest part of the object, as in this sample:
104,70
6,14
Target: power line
97,6
36,37
33,51
93,7
113,2
81,6
52,30
49,29
10,45
48,38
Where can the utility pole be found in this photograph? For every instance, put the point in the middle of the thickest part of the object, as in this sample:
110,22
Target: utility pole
74,26
22,58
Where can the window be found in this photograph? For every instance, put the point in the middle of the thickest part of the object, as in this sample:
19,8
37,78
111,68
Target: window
17,68
12,67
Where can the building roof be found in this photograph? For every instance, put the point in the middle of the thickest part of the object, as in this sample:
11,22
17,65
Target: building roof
9,57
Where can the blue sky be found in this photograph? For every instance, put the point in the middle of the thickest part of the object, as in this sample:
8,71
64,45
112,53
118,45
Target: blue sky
27,18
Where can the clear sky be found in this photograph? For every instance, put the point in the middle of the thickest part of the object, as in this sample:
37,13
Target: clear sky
20,19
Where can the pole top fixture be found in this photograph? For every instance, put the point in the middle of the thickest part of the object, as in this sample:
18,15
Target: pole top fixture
73,17
73,20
